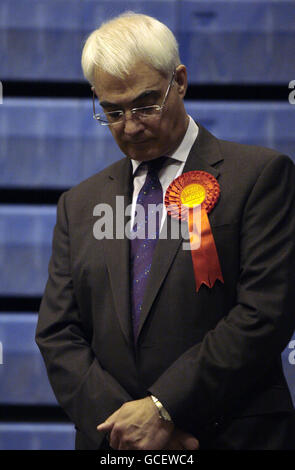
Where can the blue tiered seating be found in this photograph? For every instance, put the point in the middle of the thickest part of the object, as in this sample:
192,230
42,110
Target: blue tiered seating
36,436
237,41
23,376
52,143
25,247
221,41
46,36
24,382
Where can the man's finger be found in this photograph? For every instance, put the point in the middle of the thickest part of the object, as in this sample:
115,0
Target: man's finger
108,423
106,426
187,440
190,442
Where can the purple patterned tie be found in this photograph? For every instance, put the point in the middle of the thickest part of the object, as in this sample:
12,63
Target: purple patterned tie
142,249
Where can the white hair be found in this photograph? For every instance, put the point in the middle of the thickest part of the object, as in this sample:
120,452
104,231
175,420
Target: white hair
120,43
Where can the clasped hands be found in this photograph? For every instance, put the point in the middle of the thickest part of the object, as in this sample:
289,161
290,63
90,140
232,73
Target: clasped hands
136,425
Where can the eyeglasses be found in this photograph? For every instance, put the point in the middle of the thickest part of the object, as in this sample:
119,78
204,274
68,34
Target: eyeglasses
113,118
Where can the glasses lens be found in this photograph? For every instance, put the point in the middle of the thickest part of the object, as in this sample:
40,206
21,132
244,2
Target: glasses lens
106,119
147,111
114,117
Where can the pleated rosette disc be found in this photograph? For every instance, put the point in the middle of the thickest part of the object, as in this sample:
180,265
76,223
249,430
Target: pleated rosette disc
190,190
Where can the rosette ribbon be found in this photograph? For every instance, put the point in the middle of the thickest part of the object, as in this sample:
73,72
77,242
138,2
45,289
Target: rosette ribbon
191,197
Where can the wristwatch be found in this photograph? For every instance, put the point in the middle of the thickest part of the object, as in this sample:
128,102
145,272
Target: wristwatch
163,413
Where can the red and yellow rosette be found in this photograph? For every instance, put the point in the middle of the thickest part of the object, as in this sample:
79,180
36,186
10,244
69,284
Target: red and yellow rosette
183,196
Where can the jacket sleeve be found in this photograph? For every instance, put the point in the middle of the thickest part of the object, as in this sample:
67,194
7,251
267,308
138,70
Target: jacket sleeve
86,392
236,355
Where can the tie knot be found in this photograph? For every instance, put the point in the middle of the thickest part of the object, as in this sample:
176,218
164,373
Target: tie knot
154,166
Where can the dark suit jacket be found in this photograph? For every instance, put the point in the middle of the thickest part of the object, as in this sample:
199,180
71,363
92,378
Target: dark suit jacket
212,357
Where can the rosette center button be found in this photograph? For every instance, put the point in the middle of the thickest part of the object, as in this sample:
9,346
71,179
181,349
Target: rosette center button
192,195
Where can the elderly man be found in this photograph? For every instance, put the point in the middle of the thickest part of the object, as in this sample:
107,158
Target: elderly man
149,345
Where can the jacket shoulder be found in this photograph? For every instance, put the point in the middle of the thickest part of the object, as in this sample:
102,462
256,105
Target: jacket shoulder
251,160
99,178
95,184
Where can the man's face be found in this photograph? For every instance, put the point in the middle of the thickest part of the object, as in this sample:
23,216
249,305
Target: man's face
157,136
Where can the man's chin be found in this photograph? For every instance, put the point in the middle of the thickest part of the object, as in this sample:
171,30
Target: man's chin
142,155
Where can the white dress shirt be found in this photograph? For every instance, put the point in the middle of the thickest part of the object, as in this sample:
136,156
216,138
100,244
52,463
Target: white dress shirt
169,171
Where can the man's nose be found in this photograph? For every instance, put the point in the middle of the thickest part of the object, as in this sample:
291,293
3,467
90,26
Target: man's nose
132,124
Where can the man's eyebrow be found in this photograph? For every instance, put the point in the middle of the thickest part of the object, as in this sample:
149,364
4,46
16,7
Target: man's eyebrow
144,94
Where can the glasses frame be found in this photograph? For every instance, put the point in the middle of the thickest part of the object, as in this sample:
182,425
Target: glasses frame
134,111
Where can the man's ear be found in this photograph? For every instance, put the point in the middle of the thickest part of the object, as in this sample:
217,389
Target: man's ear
181,80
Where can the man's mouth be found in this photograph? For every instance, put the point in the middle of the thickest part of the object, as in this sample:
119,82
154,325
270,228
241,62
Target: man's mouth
138,142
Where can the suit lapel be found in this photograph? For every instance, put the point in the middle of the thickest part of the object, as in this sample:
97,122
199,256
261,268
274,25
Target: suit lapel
119,183
204,154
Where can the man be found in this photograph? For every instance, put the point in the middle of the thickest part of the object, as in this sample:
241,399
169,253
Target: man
136,355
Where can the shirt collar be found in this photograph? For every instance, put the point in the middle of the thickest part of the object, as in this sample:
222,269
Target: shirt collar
181,153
